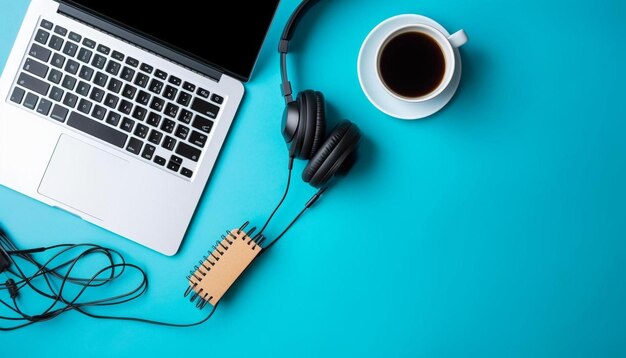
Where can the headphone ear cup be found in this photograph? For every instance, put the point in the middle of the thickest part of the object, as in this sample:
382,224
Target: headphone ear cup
336,151
320,122
312,117
291,124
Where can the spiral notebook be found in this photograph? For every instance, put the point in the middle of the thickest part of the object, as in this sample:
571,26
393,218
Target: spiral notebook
223,264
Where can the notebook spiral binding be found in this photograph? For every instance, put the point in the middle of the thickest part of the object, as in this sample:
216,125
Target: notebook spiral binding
210,278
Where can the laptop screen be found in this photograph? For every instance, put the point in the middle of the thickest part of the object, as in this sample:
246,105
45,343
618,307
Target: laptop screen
226,34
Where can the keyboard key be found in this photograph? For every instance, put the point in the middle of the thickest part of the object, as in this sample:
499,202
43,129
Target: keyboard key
42,36
98,61
70,49
103,49
60,30
69,82
182,132
160,74
86,73
75,37
30,101
188,151
118,56
184,98
36,68
55,76
125,107
175,159
84,55
171,110
113,119
40,53
127,74
139,113
46,24
155,137
173,166
170,92
175,80
111,101
198,139
56,94
115,85
168,125
134,146
159,160
89,43
146,68
17,95
217,98
83,88
98,112
156,86
148,151
129,91
97,94
127,124
141,130
153,119
29,82
204,107
84,106
185,116
56,43
59,113
142,80
168,143
203,93
97,129
70,100
157,104
44,107
189,87
57,60
202,124
143,98
186,172
113,68
100,79
132,62
72,66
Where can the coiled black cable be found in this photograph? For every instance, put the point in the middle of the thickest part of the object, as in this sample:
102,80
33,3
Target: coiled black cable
54,281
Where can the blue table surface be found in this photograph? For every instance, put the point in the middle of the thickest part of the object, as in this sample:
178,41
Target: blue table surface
494,228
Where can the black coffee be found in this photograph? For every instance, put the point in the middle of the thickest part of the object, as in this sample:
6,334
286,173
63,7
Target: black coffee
412,64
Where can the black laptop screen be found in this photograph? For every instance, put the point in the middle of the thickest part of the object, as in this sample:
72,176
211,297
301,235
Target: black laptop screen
224,33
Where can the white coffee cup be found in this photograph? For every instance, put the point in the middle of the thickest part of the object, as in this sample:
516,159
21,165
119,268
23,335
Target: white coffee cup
447,44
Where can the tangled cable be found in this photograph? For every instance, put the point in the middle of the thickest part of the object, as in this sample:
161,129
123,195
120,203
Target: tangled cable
54,281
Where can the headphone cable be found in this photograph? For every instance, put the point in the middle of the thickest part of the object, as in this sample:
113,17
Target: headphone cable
280,203
52,279
306,207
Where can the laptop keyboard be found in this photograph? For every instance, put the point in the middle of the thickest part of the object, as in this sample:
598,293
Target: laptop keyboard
101,92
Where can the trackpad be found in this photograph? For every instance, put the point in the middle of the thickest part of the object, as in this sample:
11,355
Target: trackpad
84,178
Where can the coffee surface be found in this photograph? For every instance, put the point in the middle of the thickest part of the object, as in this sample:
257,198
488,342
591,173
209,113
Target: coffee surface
412,64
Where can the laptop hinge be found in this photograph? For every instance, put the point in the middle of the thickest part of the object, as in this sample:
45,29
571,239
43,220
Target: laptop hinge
139,41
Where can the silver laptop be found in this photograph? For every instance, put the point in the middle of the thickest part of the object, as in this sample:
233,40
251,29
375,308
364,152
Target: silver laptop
116,113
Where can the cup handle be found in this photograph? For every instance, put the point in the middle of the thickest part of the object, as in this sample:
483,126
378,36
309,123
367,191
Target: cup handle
458,38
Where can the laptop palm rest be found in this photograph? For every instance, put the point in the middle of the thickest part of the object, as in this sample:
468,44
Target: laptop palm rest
84,178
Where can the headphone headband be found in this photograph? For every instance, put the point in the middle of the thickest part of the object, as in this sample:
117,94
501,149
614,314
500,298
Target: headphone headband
283,45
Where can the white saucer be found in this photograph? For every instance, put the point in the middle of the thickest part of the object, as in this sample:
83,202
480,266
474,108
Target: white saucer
373,87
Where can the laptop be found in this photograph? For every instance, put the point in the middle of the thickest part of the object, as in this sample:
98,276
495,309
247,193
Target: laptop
116,113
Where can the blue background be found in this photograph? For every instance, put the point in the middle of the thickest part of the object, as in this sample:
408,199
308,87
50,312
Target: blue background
494,228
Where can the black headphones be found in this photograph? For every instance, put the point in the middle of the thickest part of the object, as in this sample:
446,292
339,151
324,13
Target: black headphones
304,122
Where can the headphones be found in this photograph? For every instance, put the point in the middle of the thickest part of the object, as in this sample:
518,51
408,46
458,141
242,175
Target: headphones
304,122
